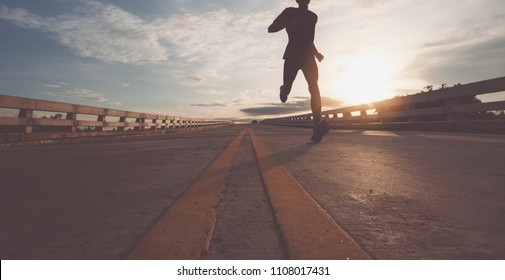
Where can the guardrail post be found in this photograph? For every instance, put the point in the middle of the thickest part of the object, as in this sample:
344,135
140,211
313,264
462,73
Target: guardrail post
27,114
450,116
72,117
123,121
333,119
154,121
139,121
101,118
347,117
363,116
381,113
412,107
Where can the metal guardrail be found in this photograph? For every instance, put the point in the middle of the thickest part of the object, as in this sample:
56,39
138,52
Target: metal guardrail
445,109
74,121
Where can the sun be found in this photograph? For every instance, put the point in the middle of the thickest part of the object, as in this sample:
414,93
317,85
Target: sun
365,79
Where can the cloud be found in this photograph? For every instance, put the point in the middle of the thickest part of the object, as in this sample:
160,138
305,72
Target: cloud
115,103
212,92
270,110
108,33
52,86
193,49
324,5
213,45
482,30
320,5
55,85
481,59
299,105
372,3
97,30
215,104
85,95
81,94
187,77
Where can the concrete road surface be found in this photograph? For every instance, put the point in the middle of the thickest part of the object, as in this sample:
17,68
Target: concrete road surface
405,195
95,200
399,195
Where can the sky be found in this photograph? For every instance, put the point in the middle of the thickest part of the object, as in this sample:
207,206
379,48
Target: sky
215,59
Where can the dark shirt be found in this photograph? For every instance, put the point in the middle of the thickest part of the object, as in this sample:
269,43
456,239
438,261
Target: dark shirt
301,37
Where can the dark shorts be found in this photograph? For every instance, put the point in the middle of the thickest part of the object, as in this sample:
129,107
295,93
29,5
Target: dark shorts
308,67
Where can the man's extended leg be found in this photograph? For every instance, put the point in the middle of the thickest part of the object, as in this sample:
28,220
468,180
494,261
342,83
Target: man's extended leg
290,70
311,74
315,102
321,127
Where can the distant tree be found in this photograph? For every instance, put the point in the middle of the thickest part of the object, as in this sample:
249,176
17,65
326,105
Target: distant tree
57,117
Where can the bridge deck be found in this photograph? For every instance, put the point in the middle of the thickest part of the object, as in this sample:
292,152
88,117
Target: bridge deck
385,195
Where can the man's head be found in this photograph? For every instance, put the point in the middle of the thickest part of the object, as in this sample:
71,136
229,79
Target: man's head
303,2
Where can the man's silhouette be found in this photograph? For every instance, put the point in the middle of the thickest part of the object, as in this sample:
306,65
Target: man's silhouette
300,24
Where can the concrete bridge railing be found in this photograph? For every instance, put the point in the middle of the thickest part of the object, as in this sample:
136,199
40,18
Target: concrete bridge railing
446,109
74,121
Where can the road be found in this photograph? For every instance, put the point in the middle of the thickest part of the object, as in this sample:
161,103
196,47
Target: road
383,195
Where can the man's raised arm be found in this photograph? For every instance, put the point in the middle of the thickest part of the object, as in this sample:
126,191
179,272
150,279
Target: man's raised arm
278,24
276,27
282,21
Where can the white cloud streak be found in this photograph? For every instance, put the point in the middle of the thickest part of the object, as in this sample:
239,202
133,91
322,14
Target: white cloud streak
81,94
197,48
105,32
100,31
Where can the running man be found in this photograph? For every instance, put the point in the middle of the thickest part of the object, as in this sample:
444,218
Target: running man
300,24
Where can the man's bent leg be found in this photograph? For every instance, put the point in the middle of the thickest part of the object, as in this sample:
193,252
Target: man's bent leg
290,70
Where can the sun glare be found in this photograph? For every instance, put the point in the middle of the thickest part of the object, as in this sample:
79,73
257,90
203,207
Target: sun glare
365,79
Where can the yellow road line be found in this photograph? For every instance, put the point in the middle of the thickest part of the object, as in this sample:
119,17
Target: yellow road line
308,230
185,230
